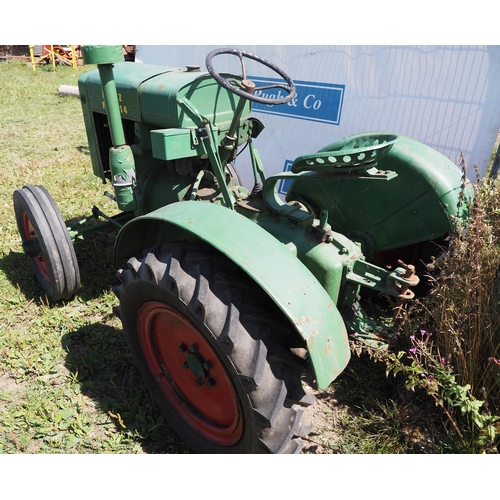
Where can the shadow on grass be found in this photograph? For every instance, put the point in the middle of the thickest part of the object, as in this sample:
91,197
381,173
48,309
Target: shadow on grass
95,261
17,269
98,355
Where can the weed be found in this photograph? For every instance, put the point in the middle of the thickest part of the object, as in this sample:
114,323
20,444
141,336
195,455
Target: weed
451,342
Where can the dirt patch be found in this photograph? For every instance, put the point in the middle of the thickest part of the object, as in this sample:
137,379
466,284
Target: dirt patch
322,417
9,384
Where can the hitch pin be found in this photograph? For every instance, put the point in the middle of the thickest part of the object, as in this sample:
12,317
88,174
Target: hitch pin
405,293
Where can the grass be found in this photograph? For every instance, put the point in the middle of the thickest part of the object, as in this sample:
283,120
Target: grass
458,348
366,412
67,384
66,381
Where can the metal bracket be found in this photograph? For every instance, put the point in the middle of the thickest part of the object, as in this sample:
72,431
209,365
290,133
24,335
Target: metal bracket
394,283
205,134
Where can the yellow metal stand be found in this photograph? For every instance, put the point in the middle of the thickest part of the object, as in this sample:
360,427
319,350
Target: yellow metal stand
63,54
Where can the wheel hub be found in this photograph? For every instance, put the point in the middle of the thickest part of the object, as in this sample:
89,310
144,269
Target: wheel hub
198,366
190,373
31,246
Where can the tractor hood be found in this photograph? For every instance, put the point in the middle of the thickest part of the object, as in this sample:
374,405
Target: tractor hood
150,94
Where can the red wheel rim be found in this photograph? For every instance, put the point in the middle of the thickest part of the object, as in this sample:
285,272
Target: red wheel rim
190,373
39,260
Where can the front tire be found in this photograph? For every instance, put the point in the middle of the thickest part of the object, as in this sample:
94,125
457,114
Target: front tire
208,351
47,242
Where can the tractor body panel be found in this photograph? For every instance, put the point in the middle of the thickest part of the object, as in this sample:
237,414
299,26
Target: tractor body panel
294,289
132,76
412,197
150,98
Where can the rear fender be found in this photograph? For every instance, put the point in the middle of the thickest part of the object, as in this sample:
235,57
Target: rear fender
416,195
264,259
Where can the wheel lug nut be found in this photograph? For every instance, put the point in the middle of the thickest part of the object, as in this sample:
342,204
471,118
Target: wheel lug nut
185,366
210,382
193,348
199,382
207,365
183,348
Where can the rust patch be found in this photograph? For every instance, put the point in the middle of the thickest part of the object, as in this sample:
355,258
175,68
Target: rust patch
312,338
328,347
303,320
306,321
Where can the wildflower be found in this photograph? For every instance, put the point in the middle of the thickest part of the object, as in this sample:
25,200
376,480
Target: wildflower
412,337
425,332
413,350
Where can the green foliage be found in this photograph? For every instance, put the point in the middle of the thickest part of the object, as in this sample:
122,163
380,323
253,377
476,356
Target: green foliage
424,369
370,413
457,365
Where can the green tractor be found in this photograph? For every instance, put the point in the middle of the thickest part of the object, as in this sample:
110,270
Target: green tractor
229,296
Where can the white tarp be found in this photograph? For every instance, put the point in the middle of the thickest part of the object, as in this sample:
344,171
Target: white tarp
444,96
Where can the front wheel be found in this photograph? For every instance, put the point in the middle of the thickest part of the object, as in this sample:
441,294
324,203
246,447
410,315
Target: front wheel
47,243
209,353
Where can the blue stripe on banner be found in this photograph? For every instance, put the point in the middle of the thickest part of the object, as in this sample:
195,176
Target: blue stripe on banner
284,184
318,102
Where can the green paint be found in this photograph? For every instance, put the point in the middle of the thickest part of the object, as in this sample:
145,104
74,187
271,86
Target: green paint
295,290
417,204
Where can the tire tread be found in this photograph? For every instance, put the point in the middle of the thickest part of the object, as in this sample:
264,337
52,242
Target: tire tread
203,283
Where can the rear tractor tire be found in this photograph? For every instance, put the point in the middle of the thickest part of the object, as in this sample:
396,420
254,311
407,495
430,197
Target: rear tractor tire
47,243
209,354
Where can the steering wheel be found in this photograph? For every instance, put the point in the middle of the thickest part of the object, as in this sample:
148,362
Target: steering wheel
246,87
